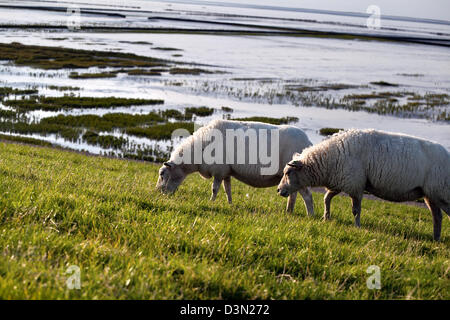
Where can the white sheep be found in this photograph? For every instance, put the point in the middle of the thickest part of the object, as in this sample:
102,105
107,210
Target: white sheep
181,164
391,166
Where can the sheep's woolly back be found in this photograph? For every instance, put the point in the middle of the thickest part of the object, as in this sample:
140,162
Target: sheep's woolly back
291,140
205,134
351,139
389,162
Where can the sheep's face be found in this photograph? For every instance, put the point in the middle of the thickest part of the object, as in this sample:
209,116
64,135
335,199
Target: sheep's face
293,179
170,177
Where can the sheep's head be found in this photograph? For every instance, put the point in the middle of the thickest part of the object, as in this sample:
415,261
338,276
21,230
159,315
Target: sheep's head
293,178
170,177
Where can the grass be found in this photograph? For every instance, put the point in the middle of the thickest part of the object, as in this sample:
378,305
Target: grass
329,131
198,111
137,42
107,122
63,58
275,121
72,102
105,141
326,87
308,92
99,75
384,84
68,133
25,140
189,71
166,49
9,114
60,209
227,109
63,88
143,72
110,121
7,91
160,131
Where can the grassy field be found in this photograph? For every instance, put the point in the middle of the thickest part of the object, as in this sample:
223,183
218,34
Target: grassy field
59,208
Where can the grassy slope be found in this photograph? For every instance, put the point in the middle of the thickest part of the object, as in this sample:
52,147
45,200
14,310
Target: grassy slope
59,209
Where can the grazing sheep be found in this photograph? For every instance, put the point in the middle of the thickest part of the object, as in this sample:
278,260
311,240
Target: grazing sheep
391,166
291,140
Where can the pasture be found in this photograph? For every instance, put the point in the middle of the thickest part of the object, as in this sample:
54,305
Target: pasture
59,208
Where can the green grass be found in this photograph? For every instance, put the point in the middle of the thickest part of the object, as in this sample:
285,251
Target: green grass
190,71
160,131
198,111
166,49
384,84
59,209
329,131
105,141
63,88
107,122
227,109
143,72
25,140
100,75
72,102
7,91
275,121
326,87
63,58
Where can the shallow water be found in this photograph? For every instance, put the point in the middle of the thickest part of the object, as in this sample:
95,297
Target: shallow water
280,58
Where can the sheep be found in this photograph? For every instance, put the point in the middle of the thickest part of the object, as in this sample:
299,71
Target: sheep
291,140
391,166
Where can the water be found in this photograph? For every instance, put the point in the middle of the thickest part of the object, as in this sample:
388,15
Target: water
280,58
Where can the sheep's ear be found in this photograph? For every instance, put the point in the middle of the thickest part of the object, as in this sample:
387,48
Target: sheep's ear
296,155
168,164
295,164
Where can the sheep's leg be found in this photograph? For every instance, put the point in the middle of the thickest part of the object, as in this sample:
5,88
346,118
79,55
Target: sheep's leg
291,202
356,209
327,203
308,200
437,218
227,188
215,188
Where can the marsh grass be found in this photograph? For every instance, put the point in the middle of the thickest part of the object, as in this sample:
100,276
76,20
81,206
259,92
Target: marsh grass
68,133
198,111
60,209
326,87
104,141
189,71
329,131
99,75
226,109
308,92
72,102
63,88
384,84
25,140
160,131
143,72
63,58
8,91
166,49
101,131
275,121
